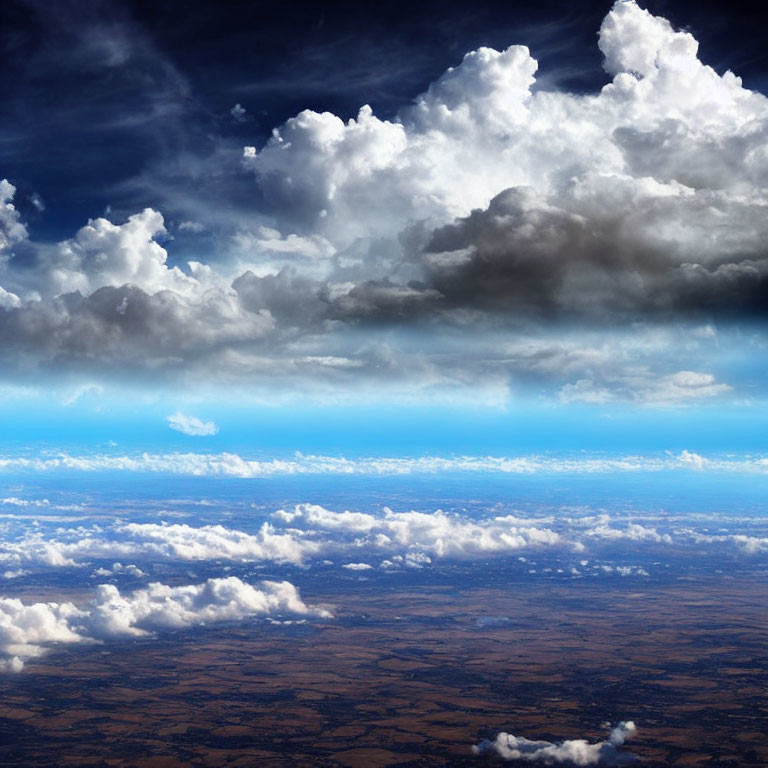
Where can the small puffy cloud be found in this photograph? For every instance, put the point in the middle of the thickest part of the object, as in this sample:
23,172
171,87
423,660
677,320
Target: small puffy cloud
191,425
357,567
239,113
25,629
212,542
12,665
38,202
573,752
9,300
120,569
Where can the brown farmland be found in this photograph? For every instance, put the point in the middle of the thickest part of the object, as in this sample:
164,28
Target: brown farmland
415,677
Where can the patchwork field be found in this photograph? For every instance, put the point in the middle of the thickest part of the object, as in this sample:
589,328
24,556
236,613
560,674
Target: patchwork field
407,676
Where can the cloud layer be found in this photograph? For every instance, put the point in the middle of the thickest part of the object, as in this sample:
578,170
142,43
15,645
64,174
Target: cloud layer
578,542
489,205
234,465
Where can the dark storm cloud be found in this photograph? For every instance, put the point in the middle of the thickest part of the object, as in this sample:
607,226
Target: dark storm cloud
523,255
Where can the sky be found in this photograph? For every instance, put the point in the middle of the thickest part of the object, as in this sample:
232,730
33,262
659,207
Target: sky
418,229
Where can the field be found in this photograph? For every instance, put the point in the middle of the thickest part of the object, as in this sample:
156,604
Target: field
414,676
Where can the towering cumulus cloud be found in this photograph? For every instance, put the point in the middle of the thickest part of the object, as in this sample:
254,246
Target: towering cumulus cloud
487,203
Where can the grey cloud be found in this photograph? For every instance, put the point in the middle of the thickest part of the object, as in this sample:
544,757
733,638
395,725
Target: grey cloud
607,256
126,326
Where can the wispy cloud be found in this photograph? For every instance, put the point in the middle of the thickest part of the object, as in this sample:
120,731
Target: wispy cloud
191,425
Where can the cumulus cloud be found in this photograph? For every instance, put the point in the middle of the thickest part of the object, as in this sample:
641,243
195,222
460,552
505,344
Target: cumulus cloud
191,425
28,630
573,752
12,230
488,203
437,533
211,542
407,539
120,569
646,197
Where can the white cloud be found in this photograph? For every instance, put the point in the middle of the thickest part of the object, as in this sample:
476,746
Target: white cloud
573,160
191,226
211,542
28,630
436,533
14,664
633,532
12,230
120,569
309,534
105,254
191,425
162,607
234,465
15,501
573,752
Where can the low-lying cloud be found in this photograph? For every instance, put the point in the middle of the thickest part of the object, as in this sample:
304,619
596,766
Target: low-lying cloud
560,542
573,752
28,630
